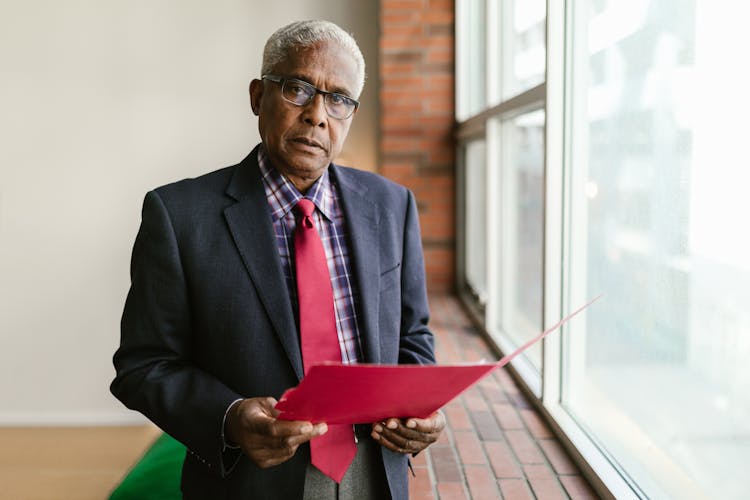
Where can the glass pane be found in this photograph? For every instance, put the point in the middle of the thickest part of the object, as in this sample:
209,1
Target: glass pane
473,62
659,373
476,218
522,191
522,45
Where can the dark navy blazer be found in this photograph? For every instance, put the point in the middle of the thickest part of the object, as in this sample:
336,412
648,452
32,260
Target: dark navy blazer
208,318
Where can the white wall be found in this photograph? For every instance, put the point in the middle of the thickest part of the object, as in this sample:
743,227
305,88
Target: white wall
99,102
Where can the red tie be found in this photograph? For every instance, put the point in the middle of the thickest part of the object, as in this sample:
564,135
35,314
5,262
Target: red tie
334,451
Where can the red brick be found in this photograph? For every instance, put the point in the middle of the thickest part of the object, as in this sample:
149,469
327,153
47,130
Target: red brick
420,487
390,5
401,144
451,491
392,124
438,104
398,30
558,457
438,16
420,460
482,483
439,263
401,95
443,440
396,81
535,424
441,156
436,228
503,463
506,381
444,464
469,449
577,488
396,68
401,16
438,204
547,489
537,471
404,169
441,280
474,400
414,57
488,385
435,68
400,106
446,351
457,417
440,81
398,42
515,489
486,426
524,447
507,416
442,4
441,42
477,353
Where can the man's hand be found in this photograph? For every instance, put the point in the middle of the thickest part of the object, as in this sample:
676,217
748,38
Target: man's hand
411,435
252,425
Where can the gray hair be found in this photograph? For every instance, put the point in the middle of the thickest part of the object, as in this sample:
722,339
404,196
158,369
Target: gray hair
305,34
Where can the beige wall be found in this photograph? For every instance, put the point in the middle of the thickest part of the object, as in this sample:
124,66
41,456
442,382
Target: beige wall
99,102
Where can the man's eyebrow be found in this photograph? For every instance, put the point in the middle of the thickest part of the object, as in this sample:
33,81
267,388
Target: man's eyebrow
337,90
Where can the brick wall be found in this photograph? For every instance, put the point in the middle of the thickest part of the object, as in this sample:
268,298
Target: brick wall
417,120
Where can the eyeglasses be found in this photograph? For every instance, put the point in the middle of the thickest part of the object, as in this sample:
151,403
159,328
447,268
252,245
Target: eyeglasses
301,93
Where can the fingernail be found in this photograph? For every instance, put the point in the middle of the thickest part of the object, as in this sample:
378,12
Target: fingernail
322,429
392,424
411,424
378,428
375,435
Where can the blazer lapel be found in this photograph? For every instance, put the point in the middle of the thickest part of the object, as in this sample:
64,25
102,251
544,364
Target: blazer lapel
251,226
362,224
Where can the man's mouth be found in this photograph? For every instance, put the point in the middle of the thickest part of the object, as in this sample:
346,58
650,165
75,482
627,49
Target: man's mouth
308,142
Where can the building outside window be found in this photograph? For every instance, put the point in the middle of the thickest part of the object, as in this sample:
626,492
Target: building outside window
618,165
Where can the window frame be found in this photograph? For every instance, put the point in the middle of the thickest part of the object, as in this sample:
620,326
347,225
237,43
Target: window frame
553,96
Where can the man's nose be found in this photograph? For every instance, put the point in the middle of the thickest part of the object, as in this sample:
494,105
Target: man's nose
315,112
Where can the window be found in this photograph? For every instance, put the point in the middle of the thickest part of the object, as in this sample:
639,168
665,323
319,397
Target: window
521,192
475,222
604,152
502,207
661,216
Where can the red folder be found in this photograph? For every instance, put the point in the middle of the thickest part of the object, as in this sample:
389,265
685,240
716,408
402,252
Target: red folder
364,393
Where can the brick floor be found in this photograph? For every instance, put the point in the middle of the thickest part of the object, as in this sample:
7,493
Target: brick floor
495,444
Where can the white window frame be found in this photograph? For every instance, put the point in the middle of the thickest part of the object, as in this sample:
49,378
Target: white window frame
553,96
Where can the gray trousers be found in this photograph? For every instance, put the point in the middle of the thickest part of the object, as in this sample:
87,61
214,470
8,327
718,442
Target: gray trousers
364,480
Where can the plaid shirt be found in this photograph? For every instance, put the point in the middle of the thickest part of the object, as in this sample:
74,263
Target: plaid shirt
329,221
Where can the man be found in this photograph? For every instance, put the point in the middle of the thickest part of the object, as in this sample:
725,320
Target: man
218,318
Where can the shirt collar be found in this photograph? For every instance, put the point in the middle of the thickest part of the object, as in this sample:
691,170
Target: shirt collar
283,195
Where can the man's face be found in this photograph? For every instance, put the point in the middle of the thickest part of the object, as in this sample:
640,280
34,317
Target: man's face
302,140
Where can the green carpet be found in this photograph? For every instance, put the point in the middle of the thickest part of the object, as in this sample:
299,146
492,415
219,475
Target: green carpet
156,476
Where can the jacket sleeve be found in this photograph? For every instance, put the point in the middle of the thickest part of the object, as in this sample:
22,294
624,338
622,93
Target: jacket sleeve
154,374
416,344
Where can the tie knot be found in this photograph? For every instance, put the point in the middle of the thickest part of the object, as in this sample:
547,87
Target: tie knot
305,207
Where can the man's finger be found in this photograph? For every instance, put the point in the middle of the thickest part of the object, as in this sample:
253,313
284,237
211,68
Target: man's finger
433,423
297,439
398,444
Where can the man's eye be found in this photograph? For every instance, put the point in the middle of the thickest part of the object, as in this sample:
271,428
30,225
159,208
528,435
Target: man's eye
337,99
298,89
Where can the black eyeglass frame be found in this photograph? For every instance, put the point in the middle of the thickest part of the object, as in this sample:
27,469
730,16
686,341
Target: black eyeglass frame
282,80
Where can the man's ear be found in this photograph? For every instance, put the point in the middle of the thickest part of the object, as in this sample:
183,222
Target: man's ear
256,94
